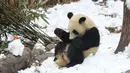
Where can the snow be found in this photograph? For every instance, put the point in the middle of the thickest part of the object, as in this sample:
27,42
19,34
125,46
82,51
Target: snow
9,37
16,47
105,61
2,56
128,3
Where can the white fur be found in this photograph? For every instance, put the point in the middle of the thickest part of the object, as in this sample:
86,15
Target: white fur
72,35
80,28
92,50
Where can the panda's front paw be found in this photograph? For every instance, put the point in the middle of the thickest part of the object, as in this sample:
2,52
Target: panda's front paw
58,32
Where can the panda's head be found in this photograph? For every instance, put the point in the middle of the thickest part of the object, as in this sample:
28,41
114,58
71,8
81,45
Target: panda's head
79,24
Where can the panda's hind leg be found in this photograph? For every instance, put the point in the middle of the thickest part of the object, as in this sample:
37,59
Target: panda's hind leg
75,55
92,50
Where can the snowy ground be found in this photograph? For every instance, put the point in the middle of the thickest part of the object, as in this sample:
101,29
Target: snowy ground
105,61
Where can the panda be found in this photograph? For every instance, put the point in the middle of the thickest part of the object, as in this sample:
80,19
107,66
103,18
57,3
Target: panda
82,39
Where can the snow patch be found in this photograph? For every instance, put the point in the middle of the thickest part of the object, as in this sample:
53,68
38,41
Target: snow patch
16,47
2,56
128,3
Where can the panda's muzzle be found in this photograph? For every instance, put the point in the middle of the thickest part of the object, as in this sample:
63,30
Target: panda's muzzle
73,34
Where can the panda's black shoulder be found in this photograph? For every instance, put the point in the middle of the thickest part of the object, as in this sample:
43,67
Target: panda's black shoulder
94,29
93,32
91,36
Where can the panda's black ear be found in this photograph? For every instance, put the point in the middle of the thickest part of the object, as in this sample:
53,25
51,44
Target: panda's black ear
82,19
69,15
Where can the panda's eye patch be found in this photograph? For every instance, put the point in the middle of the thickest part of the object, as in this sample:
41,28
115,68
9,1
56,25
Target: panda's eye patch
82,19
75,32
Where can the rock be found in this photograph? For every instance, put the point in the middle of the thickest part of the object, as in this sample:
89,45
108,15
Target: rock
113,29
50,46
11,64
39,55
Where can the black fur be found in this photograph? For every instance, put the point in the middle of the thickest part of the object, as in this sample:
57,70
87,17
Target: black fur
75,54
94,0
82,19
59,48
69,15
90,39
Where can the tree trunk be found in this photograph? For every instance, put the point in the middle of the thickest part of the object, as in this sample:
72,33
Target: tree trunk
125,35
